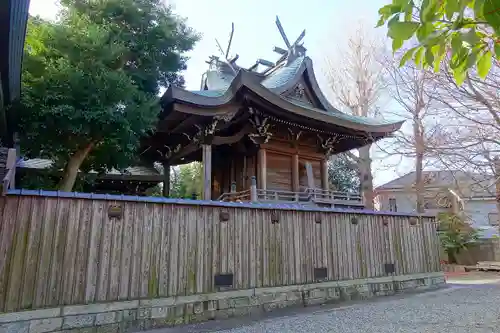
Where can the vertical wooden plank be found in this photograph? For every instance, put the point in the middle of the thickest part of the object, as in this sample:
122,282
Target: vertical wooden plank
182,262
333,255
146,249
156,233
215,249
105,254
32,255
94,245
253,256
238,225
297,250
326,244
9,216
135,275
347,245
14,287
82,252
165,250
126,249
191,249
230,228
208,252
259,248
223,244
266,222
174,250
115,256
286,259
201,249
42,273
58,251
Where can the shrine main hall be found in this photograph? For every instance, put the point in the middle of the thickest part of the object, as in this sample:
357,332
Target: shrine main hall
263,133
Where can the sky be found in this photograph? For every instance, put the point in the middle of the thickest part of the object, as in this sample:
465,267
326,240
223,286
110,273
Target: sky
328,24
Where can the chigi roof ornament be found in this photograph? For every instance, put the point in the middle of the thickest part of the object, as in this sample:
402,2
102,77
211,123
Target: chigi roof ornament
294,50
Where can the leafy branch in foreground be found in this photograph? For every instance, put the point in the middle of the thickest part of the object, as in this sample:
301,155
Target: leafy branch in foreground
466,30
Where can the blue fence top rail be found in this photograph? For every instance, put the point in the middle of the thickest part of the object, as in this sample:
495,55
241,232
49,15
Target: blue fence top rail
279,206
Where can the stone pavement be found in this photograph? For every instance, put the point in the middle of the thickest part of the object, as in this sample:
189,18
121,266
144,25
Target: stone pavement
458,309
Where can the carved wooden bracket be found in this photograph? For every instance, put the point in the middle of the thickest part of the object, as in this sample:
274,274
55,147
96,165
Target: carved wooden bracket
226,117
327,145
170,151
261,125
204,134
294,136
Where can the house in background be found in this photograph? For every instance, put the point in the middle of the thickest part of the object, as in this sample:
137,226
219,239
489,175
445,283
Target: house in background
472,193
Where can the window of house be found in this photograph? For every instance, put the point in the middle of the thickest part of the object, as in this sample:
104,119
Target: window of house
493,219
392,205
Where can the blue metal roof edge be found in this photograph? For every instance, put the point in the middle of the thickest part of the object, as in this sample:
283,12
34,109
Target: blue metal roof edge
113,197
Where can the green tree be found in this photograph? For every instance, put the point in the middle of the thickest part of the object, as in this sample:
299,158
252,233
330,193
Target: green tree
90,93
455,235
186,181
155,39
343,174
466,30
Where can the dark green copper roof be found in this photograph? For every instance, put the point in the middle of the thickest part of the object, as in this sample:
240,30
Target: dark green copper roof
222,84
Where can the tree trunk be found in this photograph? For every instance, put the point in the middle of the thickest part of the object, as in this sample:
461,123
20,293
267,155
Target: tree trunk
71,169
452,258
366,177
419,161
497,188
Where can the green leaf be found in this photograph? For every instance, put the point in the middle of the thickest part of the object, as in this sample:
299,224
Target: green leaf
471,59
380,22
497,50
424,30
459,75
484,64
429,57
491,12
451,7
407,56
478,9
418,56
429,10
470,37
402,30
396,44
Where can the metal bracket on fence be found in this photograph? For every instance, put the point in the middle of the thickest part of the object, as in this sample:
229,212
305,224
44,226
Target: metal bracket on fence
115,211
389,268
224,216
320,273
223,280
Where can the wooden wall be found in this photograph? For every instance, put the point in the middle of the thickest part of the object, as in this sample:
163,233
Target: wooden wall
279,171
58,251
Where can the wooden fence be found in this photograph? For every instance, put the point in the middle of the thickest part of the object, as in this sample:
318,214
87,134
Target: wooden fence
61,250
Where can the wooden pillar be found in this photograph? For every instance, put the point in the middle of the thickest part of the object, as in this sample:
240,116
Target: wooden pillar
261,169
325,184
310,176
295,173
166,179
207,172
253,190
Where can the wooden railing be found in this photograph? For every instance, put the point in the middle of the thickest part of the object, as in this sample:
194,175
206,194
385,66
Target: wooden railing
235,196
314,196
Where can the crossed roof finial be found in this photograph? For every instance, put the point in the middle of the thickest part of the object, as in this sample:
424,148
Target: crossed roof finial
293,50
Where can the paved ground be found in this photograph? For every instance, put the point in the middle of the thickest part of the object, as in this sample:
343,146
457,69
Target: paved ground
468,307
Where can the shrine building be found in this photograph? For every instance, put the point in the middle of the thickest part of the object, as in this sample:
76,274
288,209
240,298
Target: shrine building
263,133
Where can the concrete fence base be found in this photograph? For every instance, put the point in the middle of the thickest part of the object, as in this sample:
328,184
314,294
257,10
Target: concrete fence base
132,316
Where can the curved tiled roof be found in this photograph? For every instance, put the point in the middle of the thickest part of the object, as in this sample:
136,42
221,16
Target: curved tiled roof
222,83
